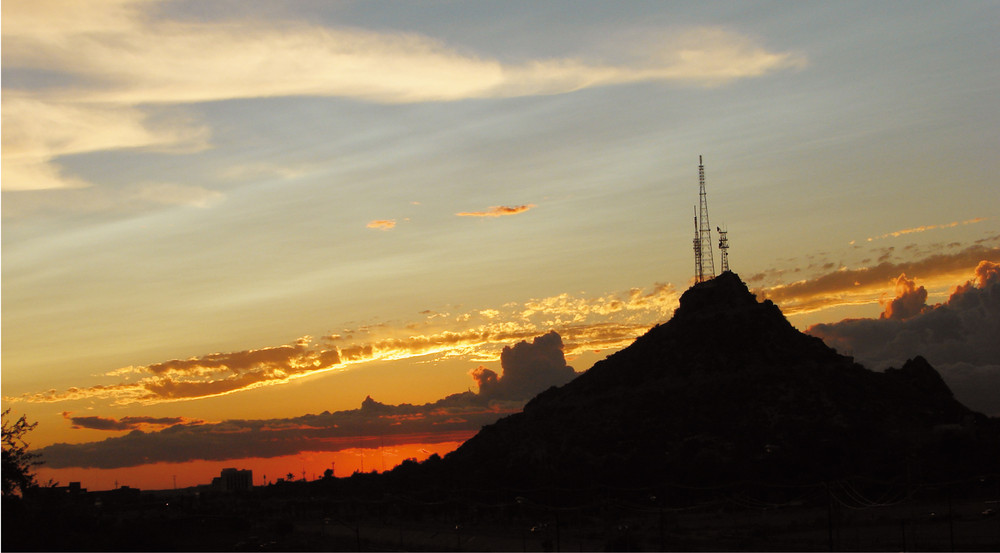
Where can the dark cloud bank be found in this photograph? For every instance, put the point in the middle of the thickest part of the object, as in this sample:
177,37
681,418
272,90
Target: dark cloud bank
527,369
960,337
124,423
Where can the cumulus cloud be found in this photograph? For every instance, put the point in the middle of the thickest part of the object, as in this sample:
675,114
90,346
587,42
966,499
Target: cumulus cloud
120,59
497,211
910,300
609,321
528,368
959,336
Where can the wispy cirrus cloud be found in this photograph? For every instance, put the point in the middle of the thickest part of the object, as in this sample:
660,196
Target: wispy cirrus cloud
121,61
126,53
125,198
609,321
497,211
37,130
925,228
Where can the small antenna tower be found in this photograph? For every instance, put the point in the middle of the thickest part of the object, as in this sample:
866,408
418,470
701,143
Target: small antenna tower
697,249
724,248
704,257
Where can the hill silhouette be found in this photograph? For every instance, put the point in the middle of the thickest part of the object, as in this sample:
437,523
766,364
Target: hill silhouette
727,391
722,429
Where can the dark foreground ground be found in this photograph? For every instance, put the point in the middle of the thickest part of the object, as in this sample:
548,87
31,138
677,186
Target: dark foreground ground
336,515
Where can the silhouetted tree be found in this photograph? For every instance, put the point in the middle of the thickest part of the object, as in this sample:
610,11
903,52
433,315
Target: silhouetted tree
17,460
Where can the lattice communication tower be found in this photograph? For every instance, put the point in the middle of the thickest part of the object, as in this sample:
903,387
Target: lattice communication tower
703,257
697,249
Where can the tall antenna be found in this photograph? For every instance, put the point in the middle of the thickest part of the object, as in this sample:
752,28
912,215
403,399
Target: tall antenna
704,256
697,249
724,248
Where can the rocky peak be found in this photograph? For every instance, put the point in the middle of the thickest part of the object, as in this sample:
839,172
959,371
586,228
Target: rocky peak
725,390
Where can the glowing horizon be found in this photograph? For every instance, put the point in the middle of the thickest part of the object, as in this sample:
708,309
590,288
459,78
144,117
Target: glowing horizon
160,476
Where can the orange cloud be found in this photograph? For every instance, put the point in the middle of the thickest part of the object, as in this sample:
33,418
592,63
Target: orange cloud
497,211
527,368
910,300
606,322
587,324
382,224
210,375
867,284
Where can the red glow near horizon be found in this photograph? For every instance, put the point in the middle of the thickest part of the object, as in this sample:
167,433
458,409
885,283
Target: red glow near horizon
311,464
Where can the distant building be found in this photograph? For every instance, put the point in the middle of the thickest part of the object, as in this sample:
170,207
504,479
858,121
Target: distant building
233,480
55,492
123,495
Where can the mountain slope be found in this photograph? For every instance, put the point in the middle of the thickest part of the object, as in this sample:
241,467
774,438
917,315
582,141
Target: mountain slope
729,391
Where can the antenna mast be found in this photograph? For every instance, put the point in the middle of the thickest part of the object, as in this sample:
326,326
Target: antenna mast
697,249
724,248
704,257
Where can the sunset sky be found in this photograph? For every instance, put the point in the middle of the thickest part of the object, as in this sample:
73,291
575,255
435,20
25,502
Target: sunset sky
225,224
